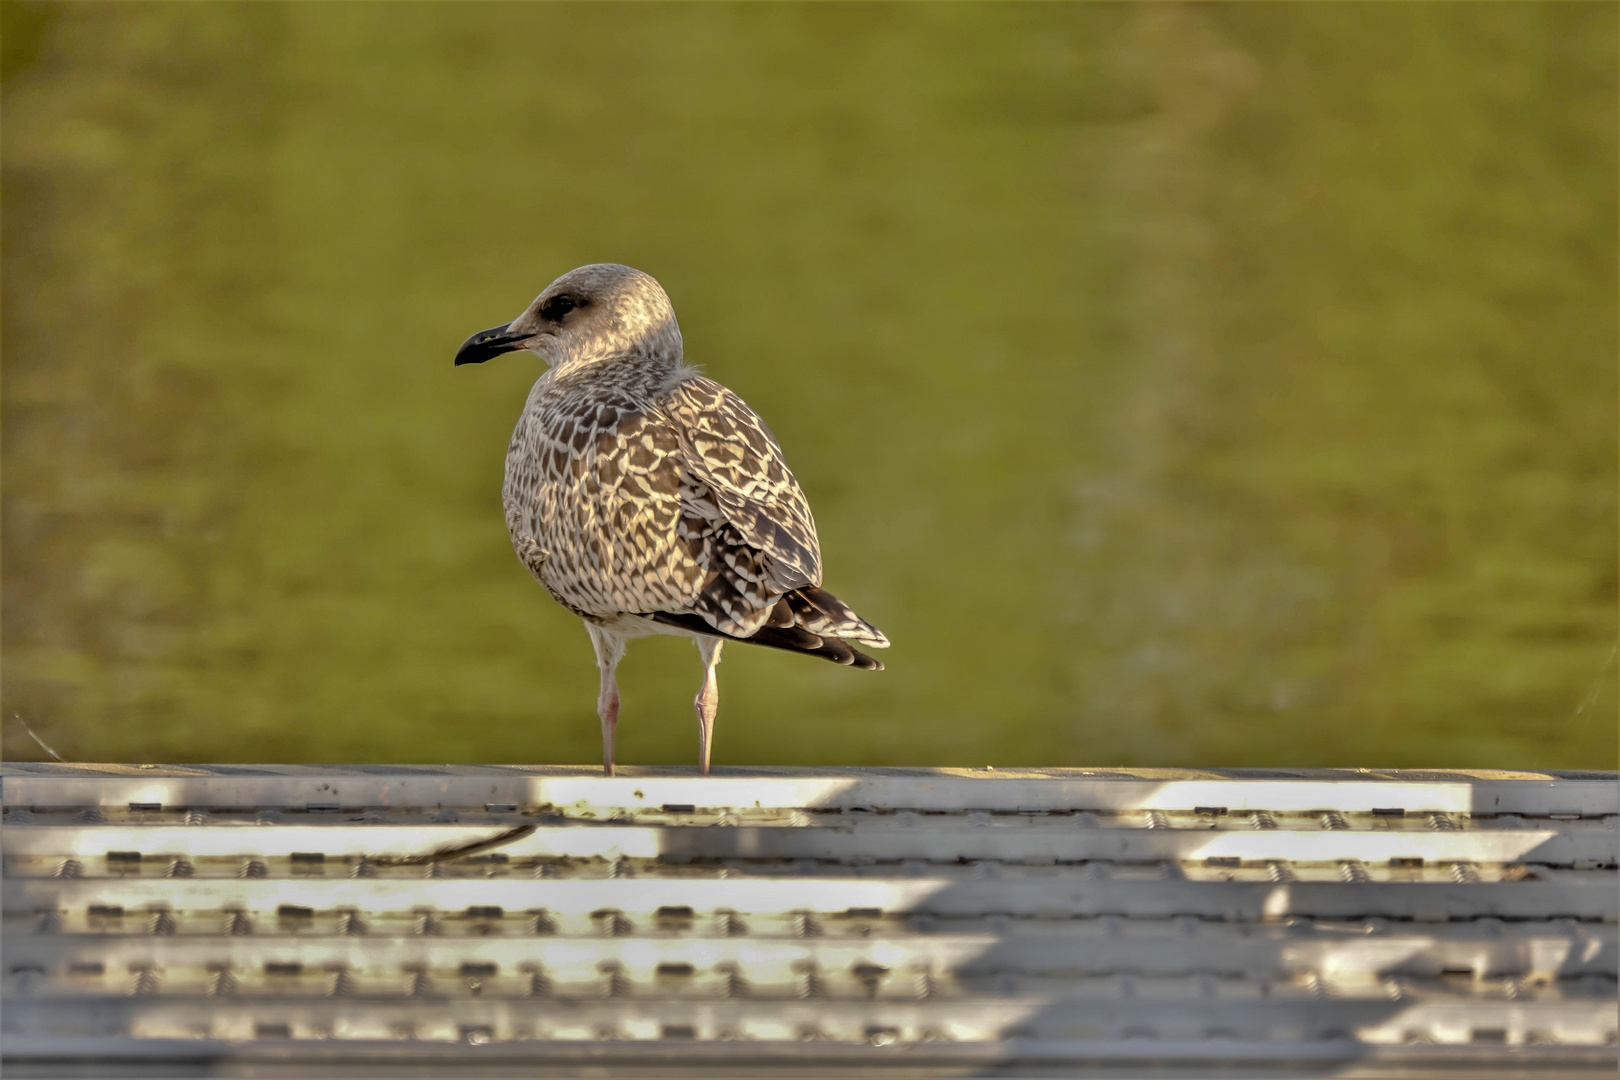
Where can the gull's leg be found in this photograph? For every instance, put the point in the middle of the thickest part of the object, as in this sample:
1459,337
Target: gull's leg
707,702
607,709
609,651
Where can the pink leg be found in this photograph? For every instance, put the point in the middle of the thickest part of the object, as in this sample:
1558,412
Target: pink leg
609,651
707,702
607,707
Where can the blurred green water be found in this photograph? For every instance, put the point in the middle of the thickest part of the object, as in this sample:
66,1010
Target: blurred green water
1227,385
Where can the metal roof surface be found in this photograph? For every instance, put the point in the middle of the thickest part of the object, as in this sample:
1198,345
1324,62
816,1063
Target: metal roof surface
503,920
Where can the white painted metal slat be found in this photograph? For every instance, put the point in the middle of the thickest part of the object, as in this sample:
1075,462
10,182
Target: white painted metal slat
1247,901
927,790
1368,1021
937,842
1284,951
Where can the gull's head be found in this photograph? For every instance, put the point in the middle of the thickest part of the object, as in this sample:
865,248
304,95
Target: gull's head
598,312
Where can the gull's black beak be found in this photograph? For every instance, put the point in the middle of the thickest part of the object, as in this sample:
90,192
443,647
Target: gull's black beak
488,343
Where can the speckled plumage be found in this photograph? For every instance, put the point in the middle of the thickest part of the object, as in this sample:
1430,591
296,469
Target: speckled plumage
647,498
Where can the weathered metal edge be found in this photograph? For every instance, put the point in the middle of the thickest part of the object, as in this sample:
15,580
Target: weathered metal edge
48,768
308,787
1224,1051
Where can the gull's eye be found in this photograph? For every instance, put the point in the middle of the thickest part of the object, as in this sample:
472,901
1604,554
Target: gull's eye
554,309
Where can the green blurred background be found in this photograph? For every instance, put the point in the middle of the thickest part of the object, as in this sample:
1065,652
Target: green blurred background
1226,385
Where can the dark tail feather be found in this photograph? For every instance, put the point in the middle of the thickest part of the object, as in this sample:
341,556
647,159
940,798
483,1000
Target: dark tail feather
789,638
830,648
781,614
821,612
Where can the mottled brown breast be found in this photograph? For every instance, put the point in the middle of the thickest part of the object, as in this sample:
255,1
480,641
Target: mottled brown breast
598,479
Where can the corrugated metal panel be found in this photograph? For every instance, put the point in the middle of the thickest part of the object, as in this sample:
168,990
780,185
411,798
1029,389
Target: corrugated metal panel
504,921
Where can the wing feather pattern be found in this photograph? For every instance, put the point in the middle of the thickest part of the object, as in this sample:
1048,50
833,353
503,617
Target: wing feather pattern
749,516
732,454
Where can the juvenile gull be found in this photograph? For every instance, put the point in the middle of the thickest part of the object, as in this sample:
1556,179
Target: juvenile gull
648,499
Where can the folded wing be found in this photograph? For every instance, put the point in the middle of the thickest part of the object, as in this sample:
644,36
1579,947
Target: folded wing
750,528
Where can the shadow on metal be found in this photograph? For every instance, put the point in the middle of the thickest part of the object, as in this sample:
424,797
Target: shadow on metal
512,921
